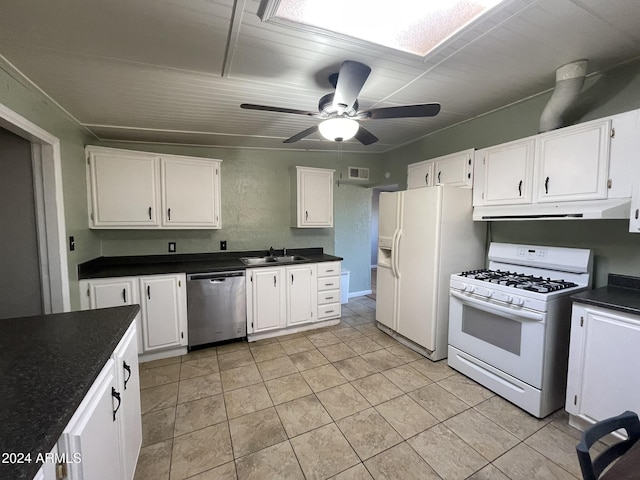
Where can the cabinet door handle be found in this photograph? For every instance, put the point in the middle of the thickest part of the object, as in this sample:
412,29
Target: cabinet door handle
637,213
546,185
274,280
149,292
128,369
115,394
520,189
306,215
169,214
426,179
439,176
292,279
149,213
124,295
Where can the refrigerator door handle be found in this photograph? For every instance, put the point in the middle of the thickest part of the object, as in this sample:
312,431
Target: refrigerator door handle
396,254
393,253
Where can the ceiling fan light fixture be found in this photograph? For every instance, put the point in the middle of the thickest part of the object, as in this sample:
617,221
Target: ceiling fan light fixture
339,129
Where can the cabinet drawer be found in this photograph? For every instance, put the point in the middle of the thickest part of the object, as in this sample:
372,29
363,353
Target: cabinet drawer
329,311
330,296
329,283
326,269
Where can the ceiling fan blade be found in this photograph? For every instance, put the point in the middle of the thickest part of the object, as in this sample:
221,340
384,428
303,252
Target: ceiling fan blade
250,106
350,81
302,134
365,137
405,111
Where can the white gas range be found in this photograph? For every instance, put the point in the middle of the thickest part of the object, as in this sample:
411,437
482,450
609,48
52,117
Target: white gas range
509,325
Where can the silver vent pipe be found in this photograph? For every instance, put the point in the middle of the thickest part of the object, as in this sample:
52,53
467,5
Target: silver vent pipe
569,82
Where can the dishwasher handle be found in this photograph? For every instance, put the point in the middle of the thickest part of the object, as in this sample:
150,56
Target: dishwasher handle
216,277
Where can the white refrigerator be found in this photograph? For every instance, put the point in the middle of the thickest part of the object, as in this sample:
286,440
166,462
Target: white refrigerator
424,236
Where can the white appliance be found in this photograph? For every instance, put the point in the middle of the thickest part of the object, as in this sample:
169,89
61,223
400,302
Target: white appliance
509,325
425,235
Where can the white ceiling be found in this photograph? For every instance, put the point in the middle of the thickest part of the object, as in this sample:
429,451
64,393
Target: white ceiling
176,71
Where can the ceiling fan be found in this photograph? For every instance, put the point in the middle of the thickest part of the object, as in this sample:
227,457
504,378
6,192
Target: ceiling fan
339,110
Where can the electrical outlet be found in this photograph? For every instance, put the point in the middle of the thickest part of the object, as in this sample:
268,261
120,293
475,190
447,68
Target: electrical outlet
223,244
172,247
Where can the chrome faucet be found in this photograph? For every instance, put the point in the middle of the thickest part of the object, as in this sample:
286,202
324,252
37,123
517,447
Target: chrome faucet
271,251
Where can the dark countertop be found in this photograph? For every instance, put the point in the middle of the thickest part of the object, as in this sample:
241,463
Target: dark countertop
622,293
103,267
47,365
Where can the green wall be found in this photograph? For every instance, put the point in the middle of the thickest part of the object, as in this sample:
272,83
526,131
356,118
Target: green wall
615,91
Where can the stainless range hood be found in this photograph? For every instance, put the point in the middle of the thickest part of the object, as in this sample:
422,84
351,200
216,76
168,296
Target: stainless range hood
613,208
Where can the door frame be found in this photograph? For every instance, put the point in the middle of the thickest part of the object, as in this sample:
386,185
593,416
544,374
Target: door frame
49,205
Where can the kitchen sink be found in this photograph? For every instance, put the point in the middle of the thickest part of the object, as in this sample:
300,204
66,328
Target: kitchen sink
272,260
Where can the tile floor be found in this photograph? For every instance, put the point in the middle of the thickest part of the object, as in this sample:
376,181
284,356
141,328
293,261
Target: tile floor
344,402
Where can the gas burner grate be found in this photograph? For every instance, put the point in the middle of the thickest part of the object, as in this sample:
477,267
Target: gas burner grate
531,283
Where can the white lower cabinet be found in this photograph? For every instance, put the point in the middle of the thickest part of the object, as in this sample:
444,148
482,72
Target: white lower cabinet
111,292
163,314
164,311
103,438
329,290
265,299
603,359
291,296
129,415
302,299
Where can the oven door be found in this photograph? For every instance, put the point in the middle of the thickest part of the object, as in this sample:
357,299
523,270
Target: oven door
508,338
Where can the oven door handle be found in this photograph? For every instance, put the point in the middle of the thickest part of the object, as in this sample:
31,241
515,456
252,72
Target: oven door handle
498,309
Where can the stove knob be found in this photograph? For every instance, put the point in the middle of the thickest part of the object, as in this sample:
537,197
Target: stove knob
470,288
518,301
489,294
463,287
508,299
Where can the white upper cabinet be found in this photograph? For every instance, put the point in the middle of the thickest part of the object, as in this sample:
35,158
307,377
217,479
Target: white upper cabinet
595,160
572,163
505,173
189,192
455,170
123,189
129,189
312,197
420,174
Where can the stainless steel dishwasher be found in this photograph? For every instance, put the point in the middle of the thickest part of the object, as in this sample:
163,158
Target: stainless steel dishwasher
216,307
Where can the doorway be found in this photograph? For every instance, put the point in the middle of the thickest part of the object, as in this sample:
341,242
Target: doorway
48,208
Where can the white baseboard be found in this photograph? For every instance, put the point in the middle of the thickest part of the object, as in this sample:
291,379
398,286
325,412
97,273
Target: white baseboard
360,294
